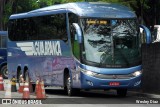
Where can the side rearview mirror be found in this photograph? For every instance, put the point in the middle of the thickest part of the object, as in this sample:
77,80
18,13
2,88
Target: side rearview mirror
147,33
156,33
78,32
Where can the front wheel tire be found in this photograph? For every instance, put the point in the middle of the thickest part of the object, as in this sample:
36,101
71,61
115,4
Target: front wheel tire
71,91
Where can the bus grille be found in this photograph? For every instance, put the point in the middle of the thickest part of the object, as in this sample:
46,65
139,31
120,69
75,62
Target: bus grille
105,76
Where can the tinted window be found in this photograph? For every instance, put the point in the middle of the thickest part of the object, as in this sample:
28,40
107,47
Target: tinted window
38,28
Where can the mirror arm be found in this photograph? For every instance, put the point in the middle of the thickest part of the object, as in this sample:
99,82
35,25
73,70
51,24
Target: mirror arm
79,33
148,33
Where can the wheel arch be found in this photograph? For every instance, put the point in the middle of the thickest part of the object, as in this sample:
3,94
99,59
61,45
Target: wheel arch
25,69
18,72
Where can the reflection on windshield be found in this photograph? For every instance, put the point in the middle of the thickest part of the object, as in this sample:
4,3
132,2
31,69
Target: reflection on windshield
110,42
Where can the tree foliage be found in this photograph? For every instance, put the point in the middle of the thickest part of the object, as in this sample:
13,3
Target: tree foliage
145,9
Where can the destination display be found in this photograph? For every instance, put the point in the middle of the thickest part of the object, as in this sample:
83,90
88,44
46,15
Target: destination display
96,21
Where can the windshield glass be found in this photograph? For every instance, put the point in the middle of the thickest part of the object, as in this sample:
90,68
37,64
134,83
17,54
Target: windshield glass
111,43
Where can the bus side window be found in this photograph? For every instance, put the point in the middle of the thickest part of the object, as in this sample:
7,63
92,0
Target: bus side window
48,27
75,44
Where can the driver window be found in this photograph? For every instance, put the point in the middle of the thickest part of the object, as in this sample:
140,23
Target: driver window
121,44
74,42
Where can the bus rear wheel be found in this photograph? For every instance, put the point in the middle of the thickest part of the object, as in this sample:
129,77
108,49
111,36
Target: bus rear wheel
121,92
4,71
18,77
26,76
28,80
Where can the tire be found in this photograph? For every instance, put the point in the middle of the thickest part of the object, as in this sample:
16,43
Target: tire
4,72
122,92
26,76
27,79
18,76
70,91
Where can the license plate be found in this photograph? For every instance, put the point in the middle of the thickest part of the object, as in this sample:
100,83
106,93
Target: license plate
114,83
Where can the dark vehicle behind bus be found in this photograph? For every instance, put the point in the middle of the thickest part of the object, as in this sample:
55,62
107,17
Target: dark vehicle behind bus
3,54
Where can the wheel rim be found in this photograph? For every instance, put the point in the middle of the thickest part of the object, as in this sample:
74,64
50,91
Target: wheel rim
69,85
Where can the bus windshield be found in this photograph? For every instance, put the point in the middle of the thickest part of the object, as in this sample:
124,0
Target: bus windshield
111,42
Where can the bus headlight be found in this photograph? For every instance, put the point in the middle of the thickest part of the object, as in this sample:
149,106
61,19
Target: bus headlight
90,73
87,72
137,73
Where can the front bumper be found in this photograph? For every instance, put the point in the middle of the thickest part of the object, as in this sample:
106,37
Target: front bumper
89,82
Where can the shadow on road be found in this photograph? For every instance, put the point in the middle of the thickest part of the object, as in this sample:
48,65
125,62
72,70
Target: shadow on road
59,92
87,94
89,97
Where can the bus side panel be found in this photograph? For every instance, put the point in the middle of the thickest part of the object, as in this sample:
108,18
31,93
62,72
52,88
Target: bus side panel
49,68
76,79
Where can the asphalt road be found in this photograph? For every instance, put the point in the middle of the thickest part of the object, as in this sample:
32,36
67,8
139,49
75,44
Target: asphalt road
56,97
96,97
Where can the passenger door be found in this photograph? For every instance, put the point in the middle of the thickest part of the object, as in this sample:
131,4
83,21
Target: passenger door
76,54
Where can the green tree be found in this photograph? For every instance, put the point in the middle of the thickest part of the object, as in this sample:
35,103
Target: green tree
146,10
20,6
2,9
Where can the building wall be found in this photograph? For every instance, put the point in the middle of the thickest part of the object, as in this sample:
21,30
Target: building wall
151,68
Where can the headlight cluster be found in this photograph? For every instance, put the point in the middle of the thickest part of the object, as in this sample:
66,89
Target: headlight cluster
137,73
87,72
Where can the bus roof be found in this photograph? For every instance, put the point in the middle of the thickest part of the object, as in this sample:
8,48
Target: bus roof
4,33
83,9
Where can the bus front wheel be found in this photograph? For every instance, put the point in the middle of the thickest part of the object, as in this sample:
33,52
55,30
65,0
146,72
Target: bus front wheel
70,91
121,92
69,87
